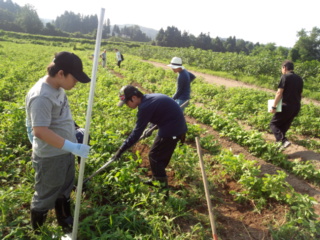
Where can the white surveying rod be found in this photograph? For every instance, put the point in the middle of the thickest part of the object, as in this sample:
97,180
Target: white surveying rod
87,127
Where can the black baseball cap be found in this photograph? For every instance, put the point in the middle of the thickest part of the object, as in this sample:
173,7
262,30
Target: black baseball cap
71,63
126,92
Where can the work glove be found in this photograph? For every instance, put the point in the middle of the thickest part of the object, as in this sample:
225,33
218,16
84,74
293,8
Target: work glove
77,149
117,155
148,131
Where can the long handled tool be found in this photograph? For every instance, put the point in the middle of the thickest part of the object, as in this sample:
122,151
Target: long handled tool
205,183
144,135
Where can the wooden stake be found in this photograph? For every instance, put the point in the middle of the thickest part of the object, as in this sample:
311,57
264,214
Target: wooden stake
205,183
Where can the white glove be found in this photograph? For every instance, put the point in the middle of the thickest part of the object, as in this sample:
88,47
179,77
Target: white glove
78,149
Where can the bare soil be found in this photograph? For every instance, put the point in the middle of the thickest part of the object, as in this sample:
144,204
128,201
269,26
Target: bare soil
235,220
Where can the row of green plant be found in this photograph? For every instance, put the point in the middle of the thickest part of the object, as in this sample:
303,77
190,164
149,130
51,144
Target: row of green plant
261,69
262,189
245,104
254,142
302,220
116,205
235,104
250,105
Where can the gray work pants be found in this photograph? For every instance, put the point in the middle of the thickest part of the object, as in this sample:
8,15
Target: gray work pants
54,178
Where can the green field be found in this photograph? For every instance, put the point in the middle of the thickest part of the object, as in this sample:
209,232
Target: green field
116,205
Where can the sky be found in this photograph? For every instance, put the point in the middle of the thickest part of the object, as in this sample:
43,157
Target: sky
262,21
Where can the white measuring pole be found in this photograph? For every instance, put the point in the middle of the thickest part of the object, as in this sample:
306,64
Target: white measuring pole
206,188
87,127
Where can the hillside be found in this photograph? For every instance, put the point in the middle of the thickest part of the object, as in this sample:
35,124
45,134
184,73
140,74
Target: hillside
151,33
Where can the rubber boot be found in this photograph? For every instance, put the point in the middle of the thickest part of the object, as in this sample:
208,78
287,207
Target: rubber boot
37,220
63,214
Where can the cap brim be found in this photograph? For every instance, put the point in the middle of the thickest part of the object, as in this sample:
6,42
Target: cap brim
81,77
120,104
175,66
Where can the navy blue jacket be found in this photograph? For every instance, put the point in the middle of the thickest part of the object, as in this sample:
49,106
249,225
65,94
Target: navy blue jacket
183,85
161,110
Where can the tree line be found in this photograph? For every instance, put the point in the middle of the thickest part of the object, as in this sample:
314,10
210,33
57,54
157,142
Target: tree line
307,48
25,19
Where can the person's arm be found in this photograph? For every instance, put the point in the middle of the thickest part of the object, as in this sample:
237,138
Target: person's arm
53,139
48,136
277,99
192,76
180,87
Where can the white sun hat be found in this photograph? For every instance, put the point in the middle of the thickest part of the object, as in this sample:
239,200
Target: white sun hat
176,62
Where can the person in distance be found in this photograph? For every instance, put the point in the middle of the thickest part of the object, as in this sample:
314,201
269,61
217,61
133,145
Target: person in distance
290,91
160,110
184,80
118,57
103,55
51,130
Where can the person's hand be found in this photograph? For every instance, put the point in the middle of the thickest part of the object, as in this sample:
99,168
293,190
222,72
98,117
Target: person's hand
147,132
77,149
272,110
117,155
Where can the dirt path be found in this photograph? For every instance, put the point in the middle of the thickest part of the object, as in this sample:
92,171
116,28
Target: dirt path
293,152
229,82
239,222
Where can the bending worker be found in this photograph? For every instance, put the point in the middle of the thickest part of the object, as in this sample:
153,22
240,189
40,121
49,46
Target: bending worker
160,110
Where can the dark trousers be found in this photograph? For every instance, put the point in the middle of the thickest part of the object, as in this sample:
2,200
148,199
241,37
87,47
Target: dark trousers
119,63
281,121
160,155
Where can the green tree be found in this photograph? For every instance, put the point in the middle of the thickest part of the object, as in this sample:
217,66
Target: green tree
241,46
106,29
69,22
9,6
89,24
28,20
116,31
173,37
160,38
230,44
203,41
308,45
217,45
185,40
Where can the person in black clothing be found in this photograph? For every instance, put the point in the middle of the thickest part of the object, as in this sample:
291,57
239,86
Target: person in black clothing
290,91
160,110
